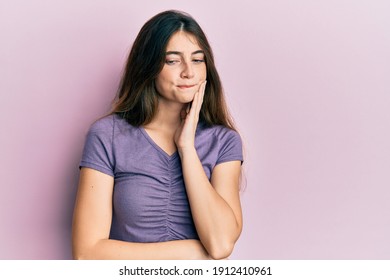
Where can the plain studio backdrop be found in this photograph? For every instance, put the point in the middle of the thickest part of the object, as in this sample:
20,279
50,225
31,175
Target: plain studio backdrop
308,83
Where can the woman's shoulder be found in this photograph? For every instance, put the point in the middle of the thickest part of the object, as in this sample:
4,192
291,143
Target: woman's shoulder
109,123
218,131
222,142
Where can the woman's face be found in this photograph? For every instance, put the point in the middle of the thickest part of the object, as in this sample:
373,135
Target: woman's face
184,69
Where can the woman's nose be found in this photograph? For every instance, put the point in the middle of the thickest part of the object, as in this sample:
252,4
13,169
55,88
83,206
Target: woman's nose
188,71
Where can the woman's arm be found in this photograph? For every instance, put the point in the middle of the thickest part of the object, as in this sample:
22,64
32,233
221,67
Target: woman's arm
215,204
92,222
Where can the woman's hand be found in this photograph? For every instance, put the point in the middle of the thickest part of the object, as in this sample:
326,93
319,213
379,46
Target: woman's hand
185,134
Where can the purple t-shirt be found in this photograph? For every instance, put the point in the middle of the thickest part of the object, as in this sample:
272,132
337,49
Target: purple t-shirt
150,203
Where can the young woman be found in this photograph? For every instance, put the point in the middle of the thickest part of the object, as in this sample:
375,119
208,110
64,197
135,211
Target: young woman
160,175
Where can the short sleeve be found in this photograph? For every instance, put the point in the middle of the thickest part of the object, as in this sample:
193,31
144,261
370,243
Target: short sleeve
98,153
230,148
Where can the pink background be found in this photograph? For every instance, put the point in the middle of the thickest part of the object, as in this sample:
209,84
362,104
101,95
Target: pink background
308,84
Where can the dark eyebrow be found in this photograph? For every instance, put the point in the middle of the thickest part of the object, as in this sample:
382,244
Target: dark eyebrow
180,53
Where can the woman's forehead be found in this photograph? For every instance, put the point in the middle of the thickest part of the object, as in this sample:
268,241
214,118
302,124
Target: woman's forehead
183,41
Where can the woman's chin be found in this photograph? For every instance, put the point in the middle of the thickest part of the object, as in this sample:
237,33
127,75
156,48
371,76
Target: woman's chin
184,97
187,97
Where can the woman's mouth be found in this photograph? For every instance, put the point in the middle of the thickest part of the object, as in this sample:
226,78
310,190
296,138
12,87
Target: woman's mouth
185,86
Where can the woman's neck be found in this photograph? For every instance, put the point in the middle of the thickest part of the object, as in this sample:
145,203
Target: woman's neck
167,116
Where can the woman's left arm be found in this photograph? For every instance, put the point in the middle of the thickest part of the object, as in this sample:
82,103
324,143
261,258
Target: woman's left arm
215,204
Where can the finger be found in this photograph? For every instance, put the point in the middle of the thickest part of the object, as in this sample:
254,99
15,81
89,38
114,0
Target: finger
196,104
198,99
202,91
184,111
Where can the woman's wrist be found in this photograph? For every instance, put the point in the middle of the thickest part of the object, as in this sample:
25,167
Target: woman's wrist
186,151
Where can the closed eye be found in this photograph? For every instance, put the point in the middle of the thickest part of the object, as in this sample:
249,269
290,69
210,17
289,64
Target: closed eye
172,61
198,61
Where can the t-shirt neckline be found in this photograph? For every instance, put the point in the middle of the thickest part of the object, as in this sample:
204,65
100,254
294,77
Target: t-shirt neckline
157,147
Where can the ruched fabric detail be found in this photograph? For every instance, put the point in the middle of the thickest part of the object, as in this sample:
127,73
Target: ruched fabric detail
150,202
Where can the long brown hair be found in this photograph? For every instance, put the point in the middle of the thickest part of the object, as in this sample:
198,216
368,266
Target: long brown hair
137,97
